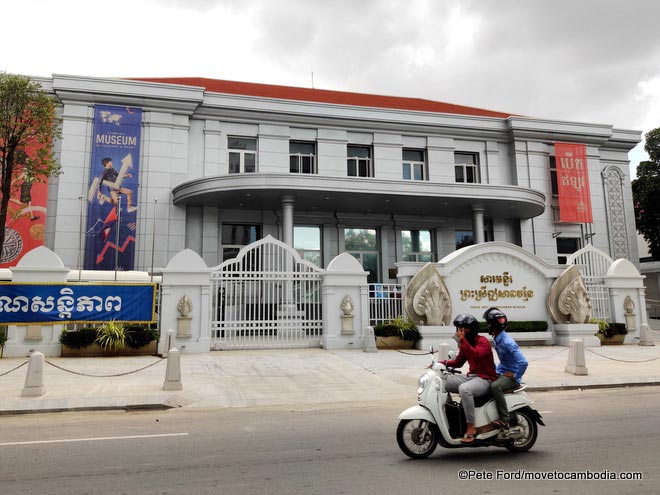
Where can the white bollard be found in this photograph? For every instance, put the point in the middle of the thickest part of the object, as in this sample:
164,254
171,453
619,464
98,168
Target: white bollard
169,338
173,371
644,335
443,352
369,340
34,380
576,362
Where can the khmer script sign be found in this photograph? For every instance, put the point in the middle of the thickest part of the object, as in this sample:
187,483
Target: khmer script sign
76,303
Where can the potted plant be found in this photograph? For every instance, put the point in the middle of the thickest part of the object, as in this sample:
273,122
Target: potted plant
109,339
396,333
610,333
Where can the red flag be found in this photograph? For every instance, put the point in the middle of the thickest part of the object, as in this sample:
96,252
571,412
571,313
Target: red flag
573,183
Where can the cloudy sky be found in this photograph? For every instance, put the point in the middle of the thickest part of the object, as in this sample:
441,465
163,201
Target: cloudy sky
579,60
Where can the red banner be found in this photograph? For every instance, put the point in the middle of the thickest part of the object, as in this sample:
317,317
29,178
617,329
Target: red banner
26,212
573,183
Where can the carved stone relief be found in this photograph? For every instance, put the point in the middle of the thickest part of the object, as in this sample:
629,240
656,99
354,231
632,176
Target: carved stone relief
568,300
612,180
427,300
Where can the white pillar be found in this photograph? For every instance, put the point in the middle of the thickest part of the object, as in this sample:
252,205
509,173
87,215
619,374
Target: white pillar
576,363
34,380
478,224
173,371
287,219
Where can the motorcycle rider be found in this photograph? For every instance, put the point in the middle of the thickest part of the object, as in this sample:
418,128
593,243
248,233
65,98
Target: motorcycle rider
512,363
476,350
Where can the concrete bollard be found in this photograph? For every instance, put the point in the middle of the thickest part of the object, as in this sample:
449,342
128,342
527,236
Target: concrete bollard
34,380
645,335
369,340
443,352
173,371
576,362
169,338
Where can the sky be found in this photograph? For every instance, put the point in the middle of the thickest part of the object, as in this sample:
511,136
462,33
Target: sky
595,61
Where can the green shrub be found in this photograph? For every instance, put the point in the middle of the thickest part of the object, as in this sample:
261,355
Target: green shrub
398,327
139,335
78,339
608,329
520,326
111,336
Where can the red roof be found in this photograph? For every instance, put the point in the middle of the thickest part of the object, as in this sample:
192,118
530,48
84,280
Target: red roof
322,96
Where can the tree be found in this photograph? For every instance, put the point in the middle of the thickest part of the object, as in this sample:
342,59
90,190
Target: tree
27,122
646,193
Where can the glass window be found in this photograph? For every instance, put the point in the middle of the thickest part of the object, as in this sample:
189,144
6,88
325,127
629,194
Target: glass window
358,161
416,245
363,244
307,241
464,238
565,247
237,236
302,158
242,155
466,167
414,165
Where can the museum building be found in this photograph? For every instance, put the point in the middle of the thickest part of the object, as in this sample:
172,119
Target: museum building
214,165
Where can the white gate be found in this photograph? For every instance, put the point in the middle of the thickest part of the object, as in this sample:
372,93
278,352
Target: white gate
266,297
594,264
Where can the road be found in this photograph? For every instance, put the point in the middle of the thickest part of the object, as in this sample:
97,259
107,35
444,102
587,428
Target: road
347,449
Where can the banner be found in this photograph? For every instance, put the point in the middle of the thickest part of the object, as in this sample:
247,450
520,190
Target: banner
26,212
573,183
76,303
113,189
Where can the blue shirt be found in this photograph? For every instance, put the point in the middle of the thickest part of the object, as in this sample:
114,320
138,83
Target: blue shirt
511,358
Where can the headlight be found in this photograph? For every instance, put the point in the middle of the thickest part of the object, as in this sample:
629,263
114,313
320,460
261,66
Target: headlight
423,382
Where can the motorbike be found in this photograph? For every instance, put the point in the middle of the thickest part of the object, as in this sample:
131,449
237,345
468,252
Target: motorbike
438,419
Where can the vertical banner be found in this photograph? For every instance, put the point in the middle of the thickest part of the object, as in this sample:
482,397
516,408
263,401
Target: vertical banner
573,183
113,189
26,211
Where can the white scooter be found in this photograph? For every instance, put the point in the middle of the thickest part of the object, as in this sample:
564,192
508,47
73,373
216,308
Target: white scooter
438,419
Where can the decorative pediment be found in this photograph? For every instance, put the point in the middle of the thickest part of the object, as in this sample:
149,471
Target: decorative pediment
427,299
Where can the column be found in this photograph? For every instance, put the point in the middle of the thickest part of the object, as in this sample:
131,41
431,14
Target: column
478,224
287,219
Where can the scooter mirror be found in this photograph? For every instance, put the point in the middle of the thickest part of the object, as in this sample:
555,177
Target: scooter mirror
452,354
431,349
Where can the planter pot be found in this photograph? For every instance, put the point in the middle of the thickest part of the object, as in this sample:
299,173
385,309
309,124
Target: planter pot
614,340
393,343
95,350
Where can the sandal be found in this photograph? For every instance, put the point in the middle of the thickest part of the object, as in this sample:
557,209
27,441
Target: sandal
504,425
468,438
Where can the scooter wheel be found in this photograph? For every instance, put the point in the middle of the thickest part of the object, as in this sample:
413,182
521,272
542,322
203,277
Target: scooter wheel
417,438
524,420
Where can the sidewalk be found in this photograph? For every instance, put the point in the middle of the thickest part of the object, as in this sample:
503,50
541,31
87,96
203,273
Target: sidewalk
290,377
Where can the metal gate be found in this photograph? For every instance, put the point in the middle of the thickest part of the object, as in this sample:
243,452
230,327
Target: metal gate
594,264
266,297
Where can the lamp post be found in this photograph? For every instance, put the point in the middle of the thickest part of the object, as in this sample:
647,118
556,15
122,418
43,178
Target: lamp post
118,206
153,239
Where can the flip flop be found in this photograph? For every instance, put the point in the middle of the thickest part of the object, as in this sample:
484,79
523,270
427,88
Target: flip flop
468,438
501,424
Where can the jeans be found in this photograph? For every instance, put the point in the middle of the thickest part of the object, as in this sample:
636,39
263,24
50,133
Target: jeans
497,388
468,387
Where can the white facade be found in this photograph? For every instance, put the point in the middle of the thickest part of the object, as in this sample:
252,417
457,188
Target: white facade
187,194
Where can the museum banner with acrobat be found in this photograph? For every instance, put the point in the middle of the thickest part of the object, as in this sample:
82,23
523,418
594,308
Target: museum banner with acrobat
112,197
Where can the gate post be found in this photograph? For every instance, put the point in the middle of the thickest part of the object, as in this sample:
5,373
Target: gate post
185,294
345,280
627,297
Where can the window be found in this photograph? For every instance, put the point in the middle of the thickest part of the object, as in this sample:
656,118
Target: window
416,245
464,238
413,165
307,241
363,244
553,176
235,237
466,167
302,158
565,247
359,161
242,155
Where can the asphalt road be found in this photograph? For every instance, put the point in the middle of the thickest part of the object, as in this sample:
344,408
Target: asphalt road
325,450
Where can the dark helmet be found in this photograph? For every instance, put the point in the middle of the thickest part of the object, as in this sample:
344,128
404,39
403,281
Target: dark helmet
496,320
469,322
